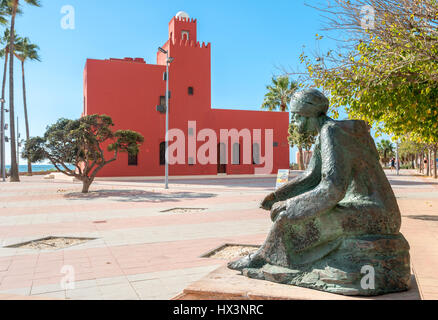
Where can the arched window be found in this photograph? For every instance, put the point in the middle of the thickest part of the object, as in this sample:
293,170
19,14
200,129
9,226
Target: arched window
236,153
162,153
185,35
221,158
255,153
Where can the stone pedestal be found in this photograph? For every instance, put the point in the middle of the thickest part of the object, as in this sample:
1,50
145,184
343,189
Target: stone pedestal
226,284
366,265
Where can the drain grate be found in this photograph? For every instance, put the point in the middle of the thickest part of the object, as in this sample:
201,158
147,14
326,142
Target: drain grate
231,251
50,243
184,210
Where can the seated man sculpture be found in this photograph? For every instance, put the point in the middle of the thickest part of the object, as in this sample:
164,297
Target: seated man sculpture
336,226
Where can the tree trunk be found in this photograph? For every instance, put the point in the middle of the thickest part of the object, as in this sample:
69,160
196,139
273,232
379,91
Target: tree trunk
86,183
14,168
422,162
418,163
26,120
3,113
428,163
434,164
300,159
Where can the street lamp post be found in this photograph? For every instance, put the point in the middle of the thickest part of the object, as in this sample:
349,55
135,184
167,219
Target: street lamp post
18,145
2,140
397,158
168,61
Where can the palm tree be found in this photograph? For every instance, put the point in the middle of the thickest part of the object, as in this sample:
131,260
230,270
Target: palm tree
277,98
301,141
4,53
279,94
385,149
14,6
4,12
26,51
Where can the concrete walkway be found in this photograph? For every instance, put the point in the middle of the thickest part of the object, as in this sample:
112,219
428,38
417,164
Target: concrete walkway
142,251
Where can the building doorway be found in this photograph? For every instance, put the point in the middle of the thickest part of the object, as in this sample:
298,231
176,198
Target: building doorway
221,158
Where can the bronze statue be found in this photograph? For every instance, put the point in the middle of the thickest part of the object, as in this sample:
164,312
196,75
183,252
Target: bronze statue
336,227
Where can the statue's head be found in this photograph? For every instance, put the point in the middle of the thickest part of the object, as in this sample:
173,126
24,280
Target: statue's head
307,107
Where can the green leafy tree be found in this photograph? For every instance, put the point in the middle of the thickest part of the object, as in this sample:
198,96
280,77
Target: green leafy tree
81,143
302,142
27,51
13,5
279,94
385,74
409,150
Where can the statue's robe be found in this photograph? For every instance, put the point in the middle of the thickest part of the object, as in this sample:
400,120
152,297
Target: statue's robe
340,213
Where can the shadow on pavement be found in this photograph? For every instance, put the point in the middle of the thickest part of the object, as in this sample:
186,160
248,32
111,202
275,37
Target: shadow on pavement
407,183
236,182
138,196
426,218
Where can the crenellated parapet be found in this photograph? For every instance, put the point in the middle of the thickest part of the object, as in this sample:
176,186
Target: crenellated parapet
188,20
191,43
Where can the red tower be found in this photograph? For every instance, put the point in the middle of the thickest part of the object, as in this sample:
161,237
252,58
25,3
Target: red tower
129,91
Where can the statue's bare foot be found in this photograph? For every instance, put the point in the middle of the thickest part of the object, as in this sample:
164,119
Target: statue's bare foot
250,261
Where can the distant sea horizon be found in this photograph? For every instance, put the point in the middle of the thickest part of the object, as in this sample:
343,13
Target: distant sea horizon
35,167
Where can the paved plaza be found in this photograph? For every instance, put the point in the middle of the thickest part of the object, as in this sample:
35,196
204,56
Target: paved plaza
143,251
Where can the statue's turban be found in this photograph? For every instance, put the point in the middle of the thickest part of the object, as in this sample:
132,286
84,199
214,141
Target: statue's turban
309,103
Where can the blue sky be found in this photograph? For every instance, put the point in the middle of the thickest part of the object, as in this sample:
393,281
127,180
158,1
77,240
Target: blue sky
250,40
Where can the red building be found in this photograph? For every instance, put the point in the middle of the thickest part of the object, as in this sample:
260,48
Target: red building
131,91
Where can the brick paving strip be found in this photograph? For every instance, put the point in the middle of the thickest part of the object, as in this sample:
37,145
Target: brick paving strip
141,252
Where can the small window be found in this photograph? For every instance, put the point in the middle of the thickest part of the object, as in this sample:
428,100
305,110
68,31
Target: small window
132,160
162,153
236,153
163,101
185,35
222,153
275,144
191,91
255,153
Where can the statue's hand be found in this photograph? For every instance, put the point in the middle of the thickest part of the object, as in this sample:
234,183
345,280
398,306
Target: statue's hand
278,208
268,201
